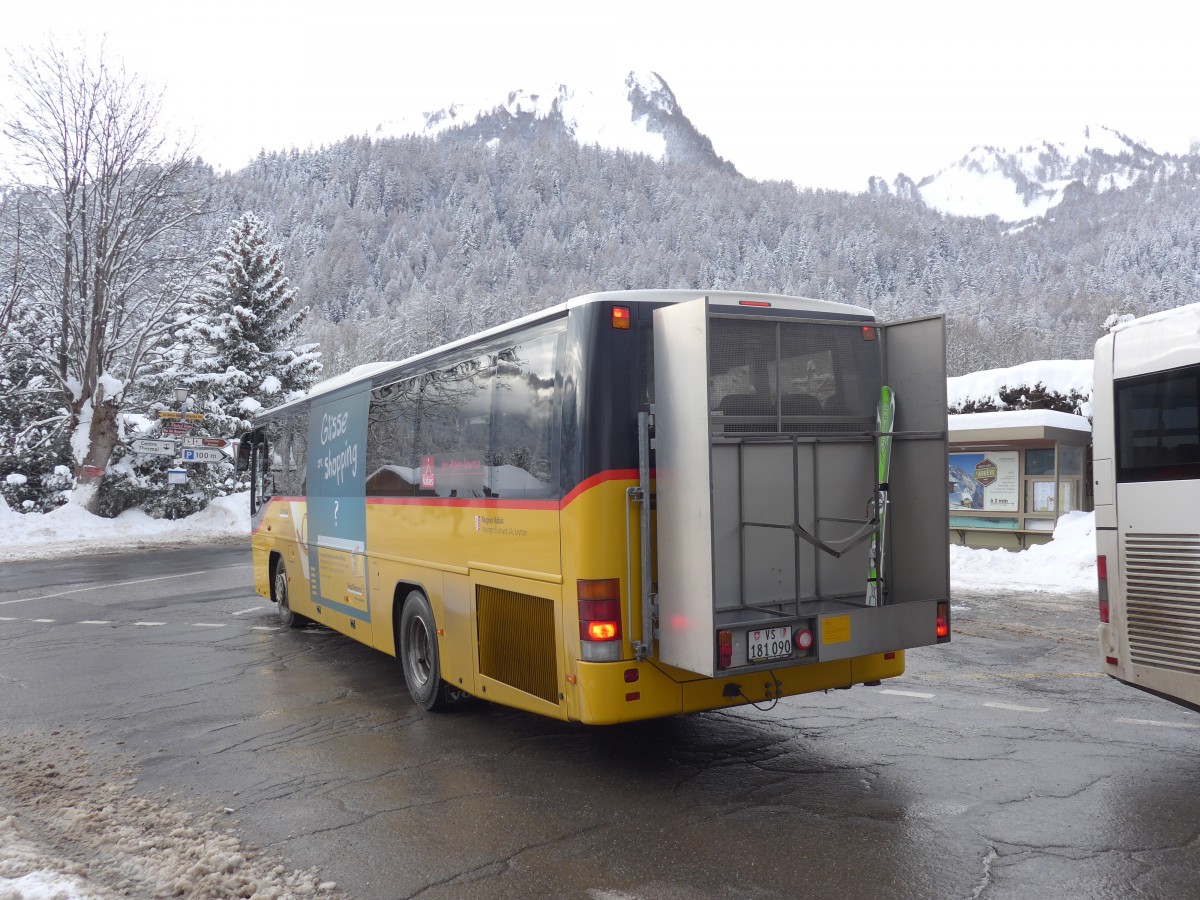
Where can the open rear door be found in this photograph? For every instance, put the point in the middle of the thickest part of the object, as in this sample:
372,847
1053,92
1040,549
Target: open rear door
914,363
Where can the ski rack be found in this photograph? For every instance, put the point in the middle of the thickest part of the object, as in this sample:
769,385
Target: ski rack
835,548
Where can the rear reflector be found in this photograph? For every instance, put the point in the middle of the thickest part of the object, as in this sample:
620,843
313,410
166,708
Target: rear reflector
1111,660
724,649
1102,578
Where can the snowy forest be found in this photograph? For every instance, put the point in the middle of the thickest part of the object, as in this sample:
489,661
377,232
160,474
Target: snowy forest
130,268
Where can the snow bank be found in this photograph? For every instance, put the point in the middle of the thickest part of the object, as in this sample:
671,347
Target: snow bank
70,530
1065,565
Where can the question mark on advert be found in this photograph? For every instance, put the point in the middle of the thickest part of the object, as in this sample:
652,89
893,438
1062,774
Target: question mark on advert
336,504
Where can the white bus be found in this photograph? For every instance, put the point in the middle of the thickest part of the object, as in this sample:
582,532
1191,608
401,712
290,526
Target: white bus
1147,492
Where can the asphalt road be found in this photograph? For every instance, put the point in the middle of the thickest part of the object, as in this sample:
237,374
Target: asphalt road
1001,765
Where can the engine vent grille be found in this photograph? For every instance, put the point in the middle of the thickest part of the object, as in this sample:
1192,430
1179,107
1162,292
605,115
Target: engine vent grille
516,641
1162,600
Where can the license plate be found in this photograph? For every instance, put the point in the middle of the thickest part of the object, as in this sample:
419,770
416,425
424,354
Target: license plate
763,644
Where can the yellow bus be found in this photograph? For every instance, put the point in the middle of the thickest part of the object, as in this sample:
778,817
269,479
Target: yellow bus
631,505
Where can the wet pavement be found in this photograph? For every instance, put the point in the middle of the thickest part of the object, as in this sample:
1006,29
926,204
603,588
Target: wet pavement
1000,765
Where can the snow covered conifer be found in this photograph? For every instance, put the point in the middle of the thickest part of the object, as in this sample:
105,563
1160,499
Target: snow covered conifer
247,325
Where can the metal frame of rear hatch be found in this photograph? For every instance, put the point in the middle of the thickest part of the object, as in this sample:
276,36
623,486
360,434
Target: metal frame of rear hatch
866,526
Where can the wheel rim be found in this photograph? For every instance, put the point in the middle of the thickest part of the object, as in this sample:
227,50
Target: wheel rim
281,593
417,651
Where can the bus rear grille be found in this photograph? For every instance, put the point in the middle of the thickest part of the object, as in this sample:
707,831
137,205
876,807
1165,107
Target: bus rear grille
516,641
1162,600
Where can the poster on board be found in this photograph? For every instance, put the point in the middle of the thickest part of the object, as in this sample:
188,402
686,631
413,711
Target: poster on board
987,481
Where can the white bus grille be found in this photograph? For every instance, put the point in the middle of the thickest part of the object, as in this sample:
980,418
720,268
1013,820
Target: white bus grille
1162,600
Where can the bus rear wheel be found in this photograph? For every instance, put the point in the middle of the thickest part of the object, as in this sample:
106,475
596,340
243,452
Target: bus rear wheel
418,651
287,617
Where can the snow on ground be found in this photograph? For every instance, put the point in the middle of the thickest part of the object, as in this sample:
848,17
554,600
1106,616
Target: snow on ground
83,833
1064,565
72,531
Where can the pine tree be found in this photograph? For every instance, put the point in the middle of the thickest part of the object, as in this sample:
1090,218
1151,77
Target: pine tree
245,329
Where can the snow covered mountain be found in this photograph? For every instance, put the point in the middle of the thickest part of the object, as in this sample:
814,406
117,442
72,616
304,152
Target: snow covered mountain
1028,183
642,116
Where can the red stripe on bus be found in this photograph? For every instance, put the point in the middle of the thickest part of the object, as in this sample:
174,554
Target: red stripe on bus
462,502
599,479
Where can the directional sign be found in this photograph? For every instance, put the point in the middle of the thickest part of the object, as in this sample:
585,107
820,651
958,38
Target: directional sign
216,443
153,448
201,455
175,414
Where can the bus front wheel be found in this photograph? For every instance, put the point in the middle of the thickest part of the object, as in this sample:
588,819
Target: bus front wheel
287,617
418,649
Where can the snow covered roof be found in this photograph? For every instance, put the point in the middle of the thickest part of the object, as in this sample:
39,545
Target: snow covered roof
1188,311
1024,423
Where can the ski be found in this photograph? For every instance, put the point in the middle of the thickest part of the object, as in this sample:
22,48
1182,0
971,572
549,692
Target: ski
884,418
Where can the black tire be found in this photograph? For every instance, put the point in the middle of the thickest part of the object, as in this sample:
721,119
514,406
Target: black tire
417,649
287,617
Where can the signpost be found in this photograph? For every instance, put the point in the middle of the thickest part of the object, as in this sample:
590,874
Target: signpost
215,443
148,447
201,455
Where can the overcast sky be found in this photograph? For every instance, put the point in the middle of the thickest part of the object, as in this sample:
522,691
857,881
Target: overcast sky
825,95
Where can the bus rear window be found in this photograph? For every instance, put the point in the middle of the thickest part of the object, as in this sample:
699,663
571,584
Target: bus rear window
1158,426
791,377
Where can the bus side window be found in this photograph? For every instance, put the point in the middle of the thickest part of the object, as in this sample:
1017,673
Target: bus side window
522,425
260,461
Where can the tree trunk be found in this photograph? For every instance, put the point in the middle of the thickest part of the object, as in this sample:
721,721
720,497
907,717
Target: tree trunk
102,440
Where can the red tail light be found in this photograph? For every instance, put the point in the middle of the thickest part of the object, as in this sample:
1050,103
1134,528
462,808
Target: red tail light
943,621
724,649
600,619
1102,579
621,317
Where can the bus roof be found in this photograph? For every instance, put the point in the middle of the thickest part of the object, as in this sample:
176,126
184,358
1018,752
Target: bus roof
367,371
